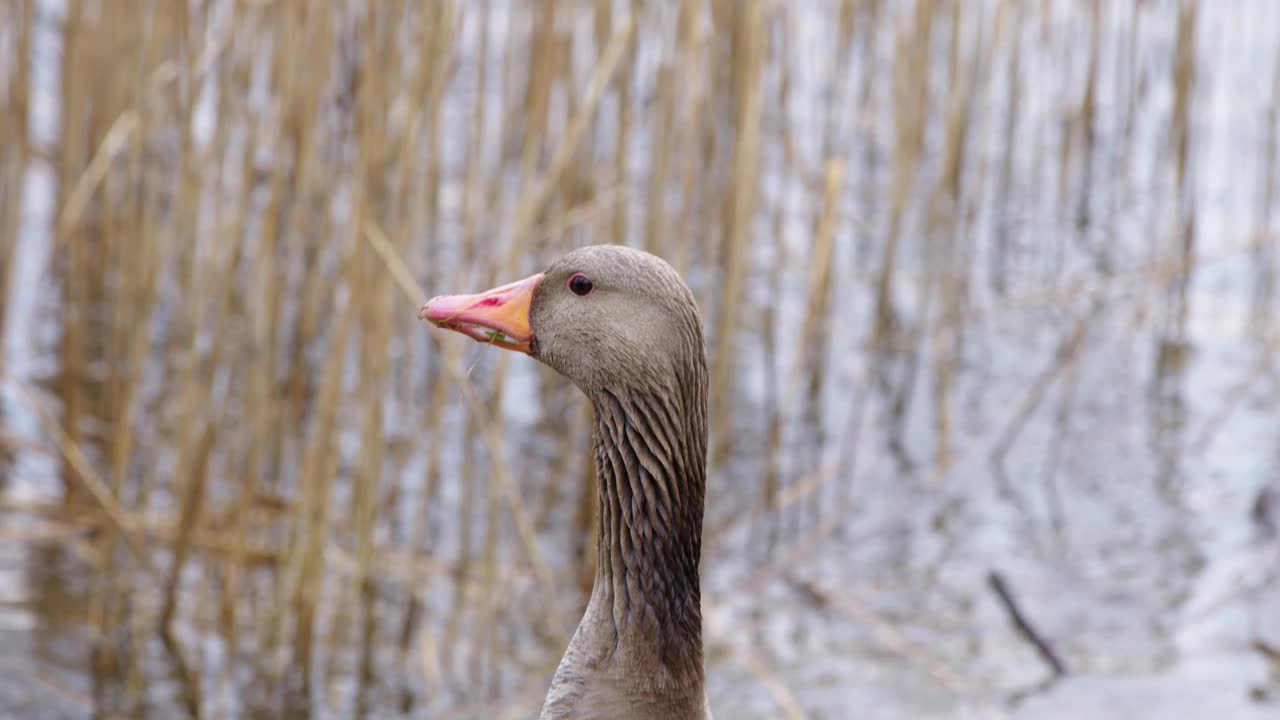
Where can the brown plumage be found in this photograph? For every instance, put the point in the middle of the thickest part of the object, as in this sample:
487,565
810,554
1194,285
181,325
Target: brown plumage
623,326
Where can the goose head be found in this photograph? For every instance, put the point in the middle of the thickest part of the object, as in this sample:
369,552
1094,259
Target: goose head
604,316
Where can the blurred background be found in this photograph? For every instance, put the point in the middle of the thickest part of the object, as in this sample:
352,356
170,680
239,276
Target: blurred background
990,290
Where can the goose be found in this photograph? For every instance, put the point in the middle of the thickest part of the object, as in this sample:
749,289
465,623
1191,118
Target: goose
623,326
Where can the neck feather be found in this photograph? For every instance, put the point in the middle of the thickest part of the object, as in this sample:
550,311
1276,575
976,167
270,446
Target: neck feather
650,456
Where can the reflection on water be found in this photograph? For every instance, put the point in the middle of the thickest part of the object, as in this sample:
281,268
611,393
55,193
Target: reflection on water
990,288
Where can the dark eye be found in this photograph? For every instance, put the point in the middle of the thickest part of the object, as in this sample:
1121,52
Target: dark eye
580,284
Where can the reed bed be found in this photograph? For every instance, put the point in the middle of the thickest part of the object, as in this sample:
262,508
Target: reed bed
276,494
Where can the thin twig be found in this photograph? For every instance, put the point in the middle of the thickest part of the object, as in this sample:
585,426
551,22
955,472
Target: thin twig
1024,626
1066,355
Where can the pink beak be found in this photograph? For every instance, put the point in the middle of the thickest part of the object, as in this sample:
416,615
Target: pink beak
499,316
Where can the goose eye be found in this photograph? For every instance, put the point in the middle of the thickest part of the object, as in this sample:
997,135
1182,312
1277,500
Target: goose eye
580,284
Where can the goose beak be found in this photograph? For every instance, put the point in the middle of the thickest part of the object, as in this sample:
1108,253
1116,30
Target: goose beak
498,317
